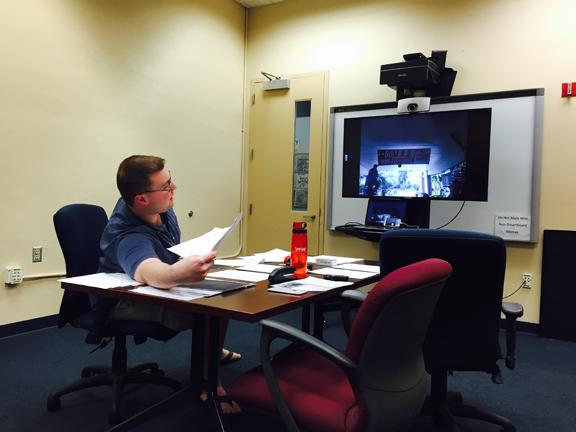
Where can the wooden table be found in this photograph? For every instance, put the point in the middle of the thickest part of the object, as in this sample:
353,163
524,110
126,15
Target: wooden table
249,305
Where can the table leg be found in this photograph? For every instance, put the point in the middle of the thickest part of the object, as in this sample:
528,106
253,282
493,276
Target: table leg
150,412
318,320
197,352
306,318
197,378
214,350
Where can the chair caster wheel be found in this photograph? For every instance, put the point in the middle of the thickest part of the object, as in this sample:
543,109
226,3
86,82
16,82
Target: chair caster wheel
158,372
455,397
114,418
90,371
53,404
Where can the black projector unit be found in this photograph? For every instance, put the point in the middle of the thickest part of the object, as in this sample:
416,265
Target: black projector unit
419,72
419,75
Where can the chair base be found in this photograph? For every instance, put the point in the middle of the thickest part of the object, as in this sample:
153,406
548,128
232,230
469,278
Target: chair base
97,377
117,376
444,409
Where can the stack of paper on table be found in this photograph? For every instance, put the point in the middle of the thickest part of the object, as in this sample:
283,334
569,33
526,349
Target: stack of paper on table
360,267
175,293
205,288
102,280
302,286
239,275
260,268
238,262
341,272
274,255
338,260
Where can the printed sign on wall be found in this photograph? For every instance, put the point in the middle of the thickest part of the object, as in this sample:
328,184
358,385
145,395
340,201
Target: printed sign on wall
512,226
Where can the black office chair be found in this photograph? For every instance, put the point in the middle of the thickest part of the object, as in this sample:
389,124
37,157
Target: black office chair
79,228
464,331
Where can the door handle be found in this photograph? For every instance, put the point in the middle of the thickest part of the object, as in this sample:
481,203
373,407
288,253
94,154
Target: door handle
309,218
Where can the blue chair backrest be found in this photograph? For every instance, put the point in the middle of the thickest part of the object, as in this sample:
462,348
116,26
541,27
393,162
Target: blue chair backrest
79,228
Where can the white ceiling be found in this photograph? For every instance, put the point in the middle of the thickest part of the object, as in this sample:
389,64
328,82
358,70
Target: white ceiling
256,3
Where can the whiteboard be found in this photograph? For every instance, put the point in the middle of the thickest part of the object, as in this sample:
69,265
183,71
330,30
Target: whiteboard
514,169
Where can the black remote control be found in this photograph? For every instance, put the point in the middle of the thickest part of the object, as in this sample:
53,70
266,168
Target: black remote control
339,278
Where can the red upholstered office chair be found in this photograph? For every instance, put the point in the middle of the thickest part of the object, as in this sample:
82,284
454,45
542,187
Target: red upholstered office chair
377,383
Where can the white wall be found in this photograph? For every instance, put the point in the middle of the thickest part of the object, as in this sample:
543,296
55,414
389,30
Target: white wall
86,83
495,45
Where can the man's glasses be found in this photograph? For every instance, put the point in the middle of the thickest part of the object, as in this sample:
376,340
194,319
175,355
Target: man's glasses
166,188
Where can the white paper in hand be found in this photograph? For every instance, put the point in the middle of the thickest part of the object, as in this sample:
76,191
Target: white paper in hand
205,243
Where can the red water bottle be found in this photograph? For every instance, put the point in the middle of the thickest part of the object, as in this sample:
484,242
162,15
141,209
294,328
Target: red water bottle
299,249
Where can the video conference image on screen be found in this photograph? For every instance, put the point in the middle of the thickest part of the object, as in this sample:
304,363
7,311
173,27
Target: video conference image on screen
440,155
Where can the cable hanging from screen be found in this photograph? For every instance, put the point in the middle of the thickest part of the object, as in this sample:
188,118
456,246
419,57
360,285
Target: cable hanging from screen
455,216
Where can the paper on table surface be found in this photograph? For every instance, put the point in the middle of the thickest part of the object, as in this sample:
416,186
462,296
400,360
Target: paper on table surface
311,284
215,286
175,293
350,273
274,255
260,268
360,267
318,284
102,280
325,283
293,290
239,275
239,261
339,260
205,243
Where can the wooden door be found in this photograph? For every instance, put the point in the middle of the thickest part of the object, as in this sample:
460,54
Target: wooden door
286,139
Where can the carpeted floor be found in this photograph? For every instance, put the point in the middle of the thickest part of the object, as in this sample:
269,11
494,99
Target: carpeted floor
538,396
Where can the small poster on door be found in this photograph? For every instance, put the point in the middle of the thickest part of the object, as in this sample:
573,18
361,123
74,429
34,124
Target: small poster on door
301,163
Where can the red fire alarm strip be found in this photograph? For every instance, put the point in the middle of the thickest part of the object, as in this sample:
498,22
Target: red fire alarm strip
568,89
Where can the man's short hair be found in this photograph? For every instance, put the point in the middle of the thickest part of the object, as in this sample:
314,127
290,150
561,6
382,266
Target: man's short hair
133,175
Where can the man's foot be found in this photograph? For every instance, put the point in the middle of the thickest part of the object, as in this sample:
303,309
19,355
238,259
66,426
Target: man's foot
227,405
227,356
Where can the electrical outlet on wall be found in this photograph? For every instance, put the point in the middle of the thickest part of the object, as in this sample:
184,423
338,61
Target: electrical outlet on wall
527,279
37,254
13,275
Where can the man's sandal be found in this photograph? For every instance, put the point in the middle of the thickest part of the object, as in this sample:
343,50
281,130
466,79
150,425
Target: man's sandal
231,357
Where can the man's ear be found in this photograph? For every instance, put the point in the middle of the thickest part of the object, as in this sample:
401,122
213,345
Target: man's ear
140,200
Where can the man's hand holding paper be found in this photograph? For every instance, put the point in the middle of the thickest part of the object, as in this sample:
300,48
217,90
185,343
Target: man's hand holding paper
193,268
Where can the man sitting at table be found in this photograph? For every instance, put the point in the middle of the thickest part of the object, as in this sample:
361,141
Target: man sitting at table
142,227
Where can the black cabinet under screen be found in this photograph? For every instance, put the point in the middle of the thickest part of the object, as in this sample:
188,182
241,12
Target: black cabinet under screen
558,298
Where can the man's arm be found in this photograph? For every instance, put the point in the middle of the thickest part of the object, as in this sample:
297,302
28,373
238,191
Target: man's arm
155,273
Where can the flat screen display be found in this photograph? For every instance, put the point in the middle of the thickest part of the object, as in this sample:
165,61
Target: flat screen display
439,155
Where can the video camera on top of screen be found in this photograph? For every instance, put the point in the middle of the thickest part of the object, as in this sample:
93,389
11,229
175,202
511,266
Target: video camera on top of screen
413,105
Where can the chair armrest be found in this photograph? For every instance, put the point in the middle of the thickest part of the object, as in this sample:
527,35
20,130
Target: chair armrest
272,330
352,298
512,311
354,295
